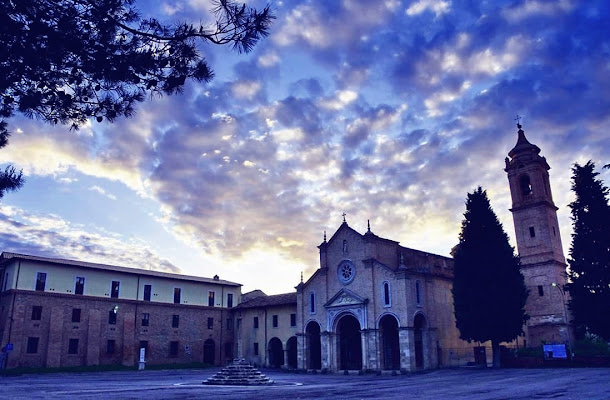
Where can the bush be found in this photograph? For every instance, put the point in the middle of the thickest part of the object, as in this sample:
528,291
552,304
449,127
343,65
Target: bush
591,346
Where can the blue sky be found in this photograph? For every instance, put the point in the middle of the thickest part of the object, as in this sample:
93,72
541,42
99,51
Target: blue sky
388,110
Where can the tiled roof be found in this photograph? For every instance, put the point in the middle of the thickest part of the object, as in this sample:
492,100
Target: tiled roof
6,256
273,300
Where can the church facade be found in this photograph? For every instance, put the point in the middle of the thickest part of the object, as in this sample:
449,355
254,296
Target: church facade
375,305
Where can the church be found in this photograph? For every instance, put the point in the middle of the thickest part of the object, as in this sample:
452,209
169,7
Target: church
375,305
371,305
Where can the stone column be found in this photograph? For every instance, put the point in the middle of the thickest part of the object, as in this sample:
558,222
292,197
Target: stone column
406,342
327,341
302,351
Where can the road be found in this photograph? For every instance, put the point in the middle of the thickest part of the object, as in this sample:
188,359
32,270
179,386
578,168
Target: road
471,384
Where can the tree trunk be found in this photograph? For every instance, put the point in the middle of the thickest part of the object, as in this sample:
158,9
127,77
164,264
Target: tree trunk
495,349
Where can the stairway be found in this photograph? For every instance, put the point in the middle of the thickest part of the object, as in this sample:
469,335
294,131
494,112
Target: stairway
239,373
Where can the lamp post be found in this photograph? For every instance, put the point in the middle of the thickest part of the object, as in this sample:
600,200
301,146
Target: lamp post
565,315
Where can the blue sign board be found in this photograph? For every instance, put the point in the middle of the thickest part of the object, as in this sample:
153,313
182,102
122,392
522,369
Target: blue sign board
554,351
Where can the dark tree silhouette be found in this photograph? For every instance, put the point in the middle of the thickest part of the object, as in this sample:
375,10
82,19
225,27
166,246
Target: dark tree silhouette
65,61
589,272
489,292
10,179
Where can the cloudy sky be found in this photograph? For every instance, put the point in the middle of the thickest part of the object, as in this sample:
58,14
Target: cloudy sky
385,110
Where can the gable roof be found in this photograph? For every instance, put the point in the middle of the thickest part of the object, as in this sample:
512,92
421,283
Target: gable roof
273,300
7,257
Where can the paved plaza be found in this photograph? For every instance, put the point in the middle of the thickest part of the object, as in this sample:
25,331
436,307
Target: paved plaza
561,383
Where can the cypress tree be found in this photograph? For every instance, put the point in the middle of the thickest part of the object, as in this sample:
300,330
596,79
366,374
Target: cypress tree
589,259
489,292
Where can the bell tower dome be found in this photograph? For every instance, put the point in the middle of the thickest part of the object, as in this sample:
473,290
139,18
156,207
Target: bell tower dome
538,242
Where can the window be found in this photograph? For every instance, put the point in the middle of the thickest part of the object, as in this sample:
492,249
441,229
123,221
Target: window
554,233
147,290
2,280
41,281
32,345
255,322
417,292
36,313
211,299
293,320
256,349
386,294
145,319
112,316
5,282
175,321
73,346
532,232
344,247
275,322
210,323
110,344
540,290
312,303
229,324
79,285
230,300
114,289
76,315
173,348
177,295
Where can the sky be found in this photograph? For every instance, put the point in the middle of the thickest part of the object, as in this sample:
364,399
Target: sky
388,111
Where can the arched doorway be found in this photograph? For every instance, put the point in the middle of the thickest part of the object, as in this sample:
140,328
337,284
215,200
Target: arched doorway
276,353
208,352
350,345
419,324
390,350
291,352
314,346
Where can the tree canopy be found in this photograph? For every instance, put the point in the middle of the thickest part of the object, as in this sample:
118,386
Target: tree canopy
65,61
489,292
589,259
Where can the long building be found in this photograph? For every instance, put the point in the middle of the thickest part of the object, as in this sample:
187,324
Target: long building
57,313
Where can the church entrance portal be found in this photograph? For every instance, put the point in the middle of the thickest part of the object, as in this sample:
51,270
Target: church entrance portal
350,344
419,324
314,359
208,351
388,327
276,353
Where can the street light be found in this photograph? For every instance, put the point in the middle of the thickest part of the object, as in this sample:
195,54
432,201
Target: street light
565,315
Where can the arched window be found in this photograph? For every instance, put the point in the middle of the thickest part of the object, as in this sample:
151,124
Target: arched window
344,247
386,294
525,184
312,303
417,292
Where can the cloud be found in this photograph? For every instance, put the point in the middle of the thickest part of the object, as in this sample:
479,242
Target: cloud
52,236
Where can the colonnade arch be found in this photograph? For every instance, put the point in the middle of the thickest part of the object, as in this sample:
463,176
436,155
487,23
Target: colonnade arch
314,345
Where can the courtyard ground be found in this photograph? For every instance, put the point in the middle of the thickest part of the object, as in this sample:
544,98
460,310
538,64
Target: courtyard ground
472,384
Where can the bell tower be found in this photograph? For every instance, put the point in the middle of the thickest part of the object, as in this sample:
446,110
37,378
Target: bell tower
543,264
